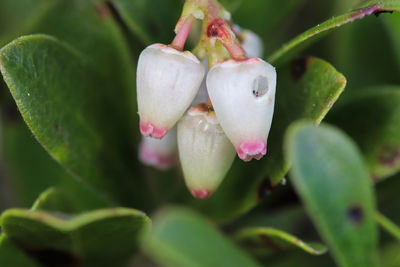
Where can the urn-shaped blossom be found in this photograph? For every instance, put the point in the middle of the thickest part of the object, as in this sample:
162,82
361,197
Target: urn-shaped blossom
252,44
243,96
167,82
205,152
161,154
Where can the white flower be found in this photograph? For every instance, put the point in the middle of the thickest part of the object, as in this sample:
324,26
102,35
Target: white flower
159,153
243,96
205,152
252,44
167,82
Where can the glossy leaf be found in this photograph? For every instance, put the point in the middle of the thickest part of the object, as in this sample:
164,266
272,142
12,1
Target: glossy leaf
183,238
307,88
332,180
266,238
375,126
301,41
76,240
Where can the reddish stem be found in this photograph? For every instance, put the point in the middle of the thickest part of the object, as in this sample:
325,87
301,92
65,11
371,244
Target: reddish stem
183,33
221,30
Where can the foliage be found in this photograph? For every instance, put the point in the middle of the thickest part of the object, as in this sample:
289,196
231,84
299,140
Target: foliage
70,138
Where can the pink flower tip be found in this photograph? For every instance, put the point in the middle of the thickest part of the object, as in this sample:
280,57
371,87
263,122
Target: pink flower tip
155,159
201,193
149,129
255,150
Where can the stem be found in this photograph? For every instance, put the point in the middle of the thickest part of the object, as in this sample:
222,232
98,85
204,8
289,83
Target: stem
388,225
235,50
183,32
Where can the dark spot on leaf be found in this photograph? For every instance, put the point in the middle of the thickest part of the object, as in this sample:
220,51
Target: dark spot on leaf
53,257
355,214
389,156
298,67
265,188
57,127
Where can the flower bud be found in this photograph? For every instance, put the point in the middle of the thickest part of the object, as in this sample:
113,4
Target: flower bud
205,152
159,153
243,96
167,82
252,44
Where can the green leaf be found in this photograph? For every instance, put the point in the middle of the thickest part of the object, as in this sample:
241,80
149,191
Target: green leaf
10,255
182,238
29,169
267,18
331,178
17,15
307,88
380,142
266,238
76,240
108,89
152,21
71,122
388,225
390,255
306,38
392,24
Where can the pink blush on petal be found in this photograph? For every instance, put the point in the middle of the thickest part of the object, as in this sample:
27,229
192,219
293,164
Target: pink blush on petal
148,129
156,159
255,150
201,193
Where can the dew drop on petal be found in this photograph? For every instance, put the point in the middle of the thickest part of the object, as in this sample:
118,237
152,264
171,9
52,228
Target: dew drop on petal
260,86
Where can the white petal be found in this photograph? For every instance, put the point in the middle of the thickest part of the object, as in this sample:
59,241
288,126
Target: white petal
159,153
243,96
167,82
205,153
252,44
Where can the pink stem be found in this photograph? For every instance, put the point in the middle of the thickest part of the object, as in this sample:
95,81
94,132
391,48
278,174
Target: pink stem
183,33
235,50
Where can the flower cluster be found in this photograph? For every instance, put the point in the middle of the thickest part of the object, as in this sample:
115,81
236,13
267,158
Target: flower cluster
226,90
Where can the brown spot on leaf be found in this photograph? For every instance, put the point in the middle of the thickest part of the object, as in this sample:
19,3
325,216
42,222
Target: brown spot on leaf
298,67
389,156
265,188
355,214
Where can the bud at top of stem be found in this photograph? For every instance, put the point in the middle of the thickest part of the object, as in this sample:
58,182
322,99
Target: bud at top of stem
167,82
